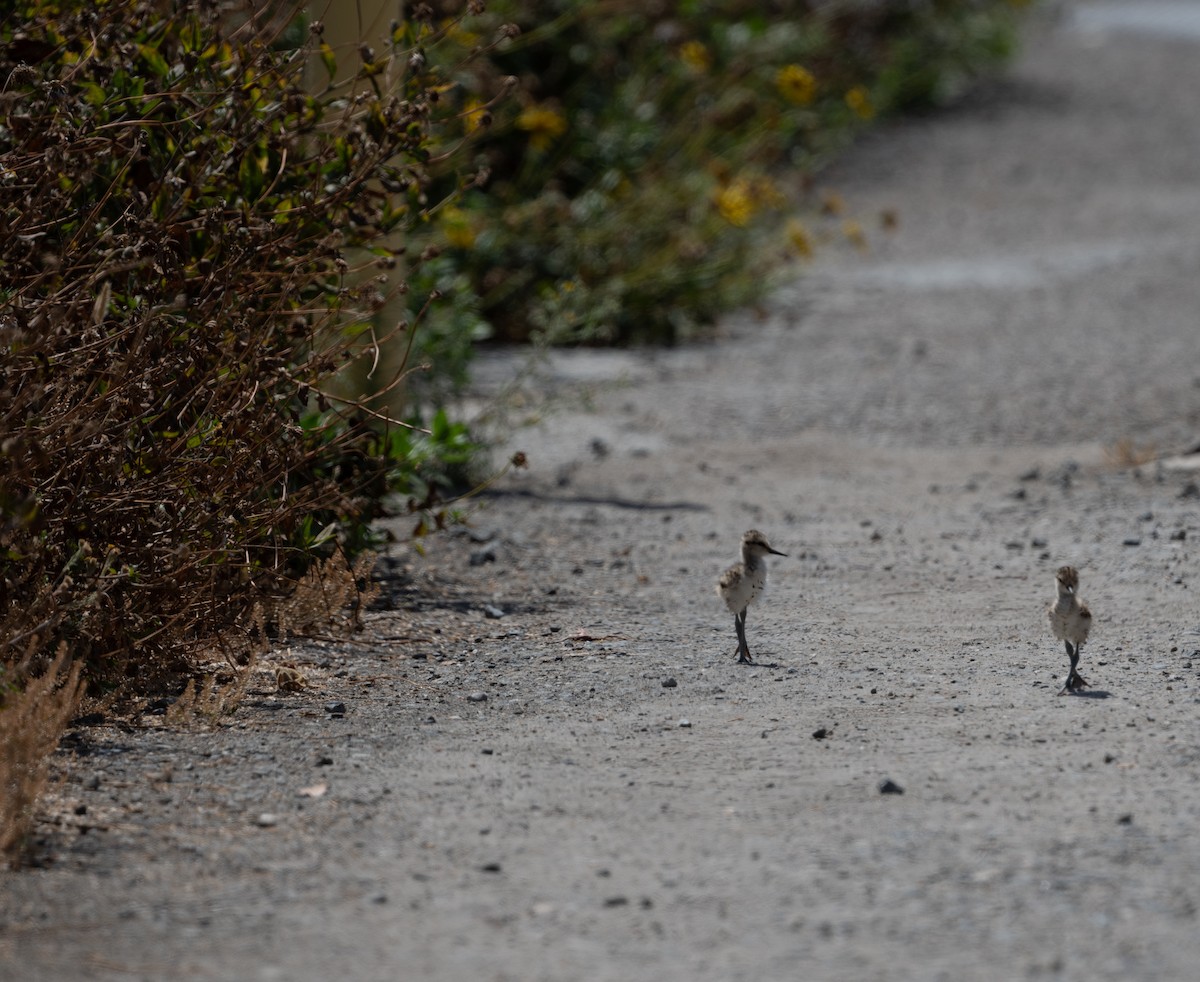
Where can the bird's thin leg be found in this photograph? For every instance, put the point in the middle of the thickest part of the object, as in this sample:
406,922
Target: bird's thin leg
1074,680
1079,682
744,657
1067,682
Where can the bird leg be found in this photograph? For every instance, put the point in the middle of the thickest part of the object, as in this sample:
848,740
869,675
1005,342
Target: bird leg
1079,682
1074,680
739,623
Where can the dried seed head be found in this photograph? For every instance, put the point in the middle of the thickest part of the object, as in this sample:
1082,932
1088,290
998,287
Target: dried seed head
22,74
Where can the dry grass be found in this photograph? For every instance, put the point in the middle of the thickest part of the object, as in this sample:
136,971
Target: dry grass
1128,453
32,721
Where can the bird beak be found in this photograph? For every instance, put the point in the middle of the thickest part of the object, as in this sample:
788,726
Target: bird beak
775,552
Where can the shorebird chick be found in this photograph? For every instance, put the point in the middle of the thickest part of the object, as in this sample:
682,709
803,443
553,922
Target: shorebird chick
1070,620
743,582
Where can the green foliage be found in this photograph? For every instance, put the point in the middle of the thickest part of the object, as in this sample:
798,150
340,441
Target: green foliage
650,147
442,349
196,243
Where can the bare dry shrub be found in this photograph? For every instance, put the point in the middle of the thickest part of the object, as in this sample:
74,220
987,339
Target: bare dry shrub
197,239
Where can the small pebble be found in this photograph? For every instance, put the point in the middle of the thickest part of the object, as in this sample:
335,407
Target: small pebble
477,697
492,613
158,707
1132,540
685,723
490,868
92,783
335,708
888,786
266,820
820,733
669,683
616,901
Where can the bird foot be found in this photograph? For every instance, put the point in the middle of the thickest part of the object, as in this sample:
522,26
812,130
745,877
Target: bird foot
745,659
1073,684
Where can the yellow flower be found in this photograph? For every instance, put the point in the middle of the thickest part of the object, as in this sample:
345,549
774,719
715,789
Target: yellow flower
543,124
696,56
796,84
456,226
859,100
735,202
463,38
473,115
800,238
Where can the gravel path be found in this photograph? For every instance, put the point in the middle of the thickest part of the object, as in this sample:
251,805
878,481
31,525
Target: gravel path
543,762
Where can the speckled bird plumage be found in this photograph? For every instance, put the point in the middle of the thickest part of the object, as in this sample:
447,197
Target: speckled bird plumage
744,582
1070,621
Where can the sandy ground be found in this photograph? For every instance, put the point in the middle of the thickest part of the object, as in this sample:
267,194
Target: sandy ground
542,763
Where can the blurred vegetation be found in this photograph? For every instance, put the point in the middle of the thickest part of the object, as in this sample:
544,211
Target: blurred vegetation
638,179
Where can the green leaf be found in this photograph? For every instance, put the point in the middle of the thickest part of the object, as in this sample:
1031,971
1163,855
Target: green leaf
250,175
154,61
